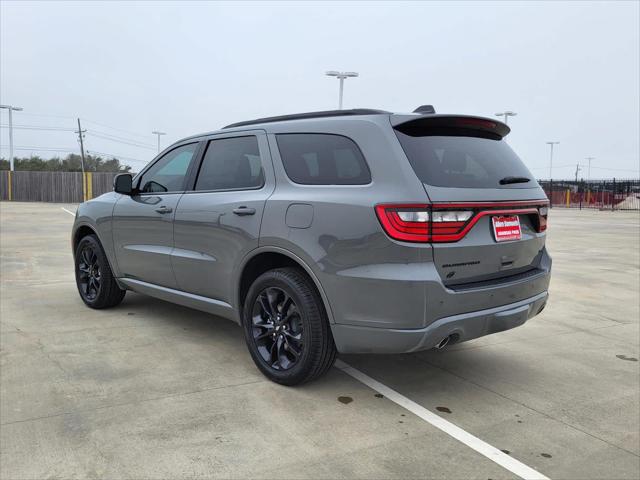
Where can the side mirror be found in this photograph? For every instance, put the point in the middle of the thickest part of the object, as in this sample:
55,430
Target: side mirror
122,183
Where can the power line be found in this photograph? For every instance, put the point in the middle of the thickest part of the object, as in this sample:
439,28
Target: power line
119,157
618,169
43,149
38,127
45,115
119,140
116,129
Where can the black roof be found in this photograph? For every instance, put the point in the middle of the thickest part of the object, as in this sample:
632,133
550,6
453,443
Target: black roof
302,116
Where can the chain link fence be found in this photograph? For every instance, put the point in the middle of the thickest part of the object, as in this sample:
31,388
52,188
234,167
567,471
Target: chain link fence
616,194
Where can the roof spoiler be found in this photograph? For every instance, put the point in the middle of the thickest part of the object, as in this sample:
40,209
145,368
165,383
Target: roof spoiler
458,125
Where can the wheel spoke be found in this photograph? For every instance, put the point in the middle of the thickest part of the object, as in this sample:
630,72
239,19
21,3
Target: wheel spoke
266,306
290,348
272,299
280,350
86,256
286,304
297,336
274,354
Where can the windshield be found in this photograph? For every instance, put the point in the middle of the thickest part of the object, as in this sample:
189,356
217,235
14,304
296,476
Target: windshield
465,162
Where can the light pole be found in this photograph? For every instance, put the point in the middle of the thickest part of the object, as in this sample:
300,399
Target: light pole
155,132
341,76
506,114
551,159
11,109
589,168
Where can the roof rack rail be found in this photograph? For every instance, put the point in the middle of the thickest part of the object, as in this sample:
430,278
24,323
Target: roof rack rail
303,116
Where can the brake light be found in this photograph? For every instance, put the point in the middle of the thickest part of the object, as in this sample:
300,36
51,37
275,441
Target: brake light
409,223
441,222
543,215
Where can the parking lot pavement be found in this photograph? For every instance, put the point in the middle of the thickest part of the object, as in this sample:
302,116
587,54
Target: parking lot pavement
154,390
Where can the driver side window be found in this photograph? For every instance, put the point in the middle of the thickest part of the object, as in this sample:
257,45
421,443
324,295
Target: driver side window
168,174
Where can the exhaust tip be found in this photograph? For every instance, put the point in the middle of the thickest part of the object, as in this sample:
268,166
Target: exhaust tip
444,342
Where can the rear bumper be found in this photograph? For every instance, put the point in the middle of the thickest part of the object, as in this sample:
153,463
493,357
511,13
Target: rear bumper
466,326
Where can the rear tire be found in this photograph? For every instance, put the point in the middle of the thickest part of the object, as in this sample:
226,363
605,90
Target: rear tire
286,327
94,278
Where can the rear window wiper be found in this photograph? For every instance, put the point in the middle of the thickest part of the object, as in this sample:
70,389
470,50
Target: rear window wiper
508,180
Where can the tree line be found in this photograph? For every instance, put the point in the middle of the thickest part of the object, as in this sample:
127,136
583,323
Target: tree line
70,163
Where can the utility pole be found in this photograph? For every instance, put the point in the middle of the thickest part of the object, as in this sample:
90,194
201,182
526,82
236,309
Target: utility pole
155,132
589,168
341,76
551,159
80,133
11,109
577,170
506,114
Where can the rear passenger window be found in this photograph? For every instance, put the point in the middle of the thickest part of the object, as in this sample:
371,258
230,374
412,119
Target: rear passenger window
322,159
231,164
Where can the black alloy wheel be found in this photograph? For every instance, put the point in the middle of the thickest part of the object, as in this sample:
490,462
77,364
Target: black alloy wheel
286,327
89,276
95,281
277,328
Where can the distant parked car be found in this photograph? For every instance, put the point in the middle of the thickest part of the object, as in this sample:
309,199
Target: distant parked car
345,231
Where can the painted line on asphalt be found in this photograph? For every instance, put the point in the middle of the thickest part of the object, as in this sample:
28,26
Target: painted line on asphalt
480,446
68,211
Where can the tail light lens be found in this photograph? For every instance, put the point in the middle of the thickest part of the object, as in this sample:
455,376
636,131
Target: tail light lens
543,215
409,223
448,223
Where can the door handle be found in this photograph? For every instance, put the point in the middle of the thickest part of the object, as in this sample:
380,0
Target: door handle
244,211
164,209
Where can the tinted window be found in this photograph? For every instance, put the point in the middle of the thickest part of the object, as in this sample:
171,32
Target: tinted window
168,173
231,163
322,159
463,161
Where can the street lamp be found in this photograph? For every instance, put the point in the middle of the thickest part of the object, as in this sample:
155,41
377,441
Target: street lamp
155,132
551,159
341,76
11,109
506,114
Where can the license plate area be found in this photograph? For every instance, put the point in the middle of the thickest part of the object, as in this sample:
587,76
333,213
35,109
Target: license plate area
506,228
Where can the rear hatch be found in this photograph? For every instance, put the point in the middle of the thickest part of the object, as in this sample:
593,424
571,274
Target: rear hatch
487,212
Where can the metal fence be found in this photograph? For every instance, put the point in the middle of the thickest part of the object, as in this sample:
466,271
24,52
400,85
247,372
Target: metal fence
599,194
60,187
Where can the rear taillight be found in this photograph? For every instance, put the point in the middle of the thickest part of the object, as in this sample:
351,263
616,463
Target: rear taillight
543,215
419,223
409,223
449,222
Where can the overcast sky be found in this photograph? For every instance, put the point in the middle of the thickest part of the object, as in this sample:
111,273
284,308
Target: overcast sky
570,71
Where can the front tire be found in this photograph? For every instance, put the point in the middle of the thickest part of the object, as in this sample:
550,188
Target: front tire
94,278
286,327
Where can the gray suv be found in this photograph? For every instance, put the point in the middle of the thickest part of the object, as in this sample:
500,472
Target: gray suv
351,231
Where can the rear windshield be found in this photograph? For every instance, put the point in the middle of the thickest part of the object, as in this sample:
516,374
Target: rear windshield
464,161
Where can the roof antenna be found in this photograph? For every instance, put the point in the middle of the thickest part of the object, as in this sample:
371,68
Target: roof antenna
425,109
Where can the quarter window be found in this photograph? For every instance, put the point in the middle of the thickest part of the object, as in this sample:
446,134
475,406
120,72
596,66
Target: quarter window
231,164
322,159
168,174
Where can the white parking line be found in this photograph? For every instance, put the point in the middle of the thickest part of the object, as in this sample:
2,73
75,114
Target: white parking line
68,211
480,446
